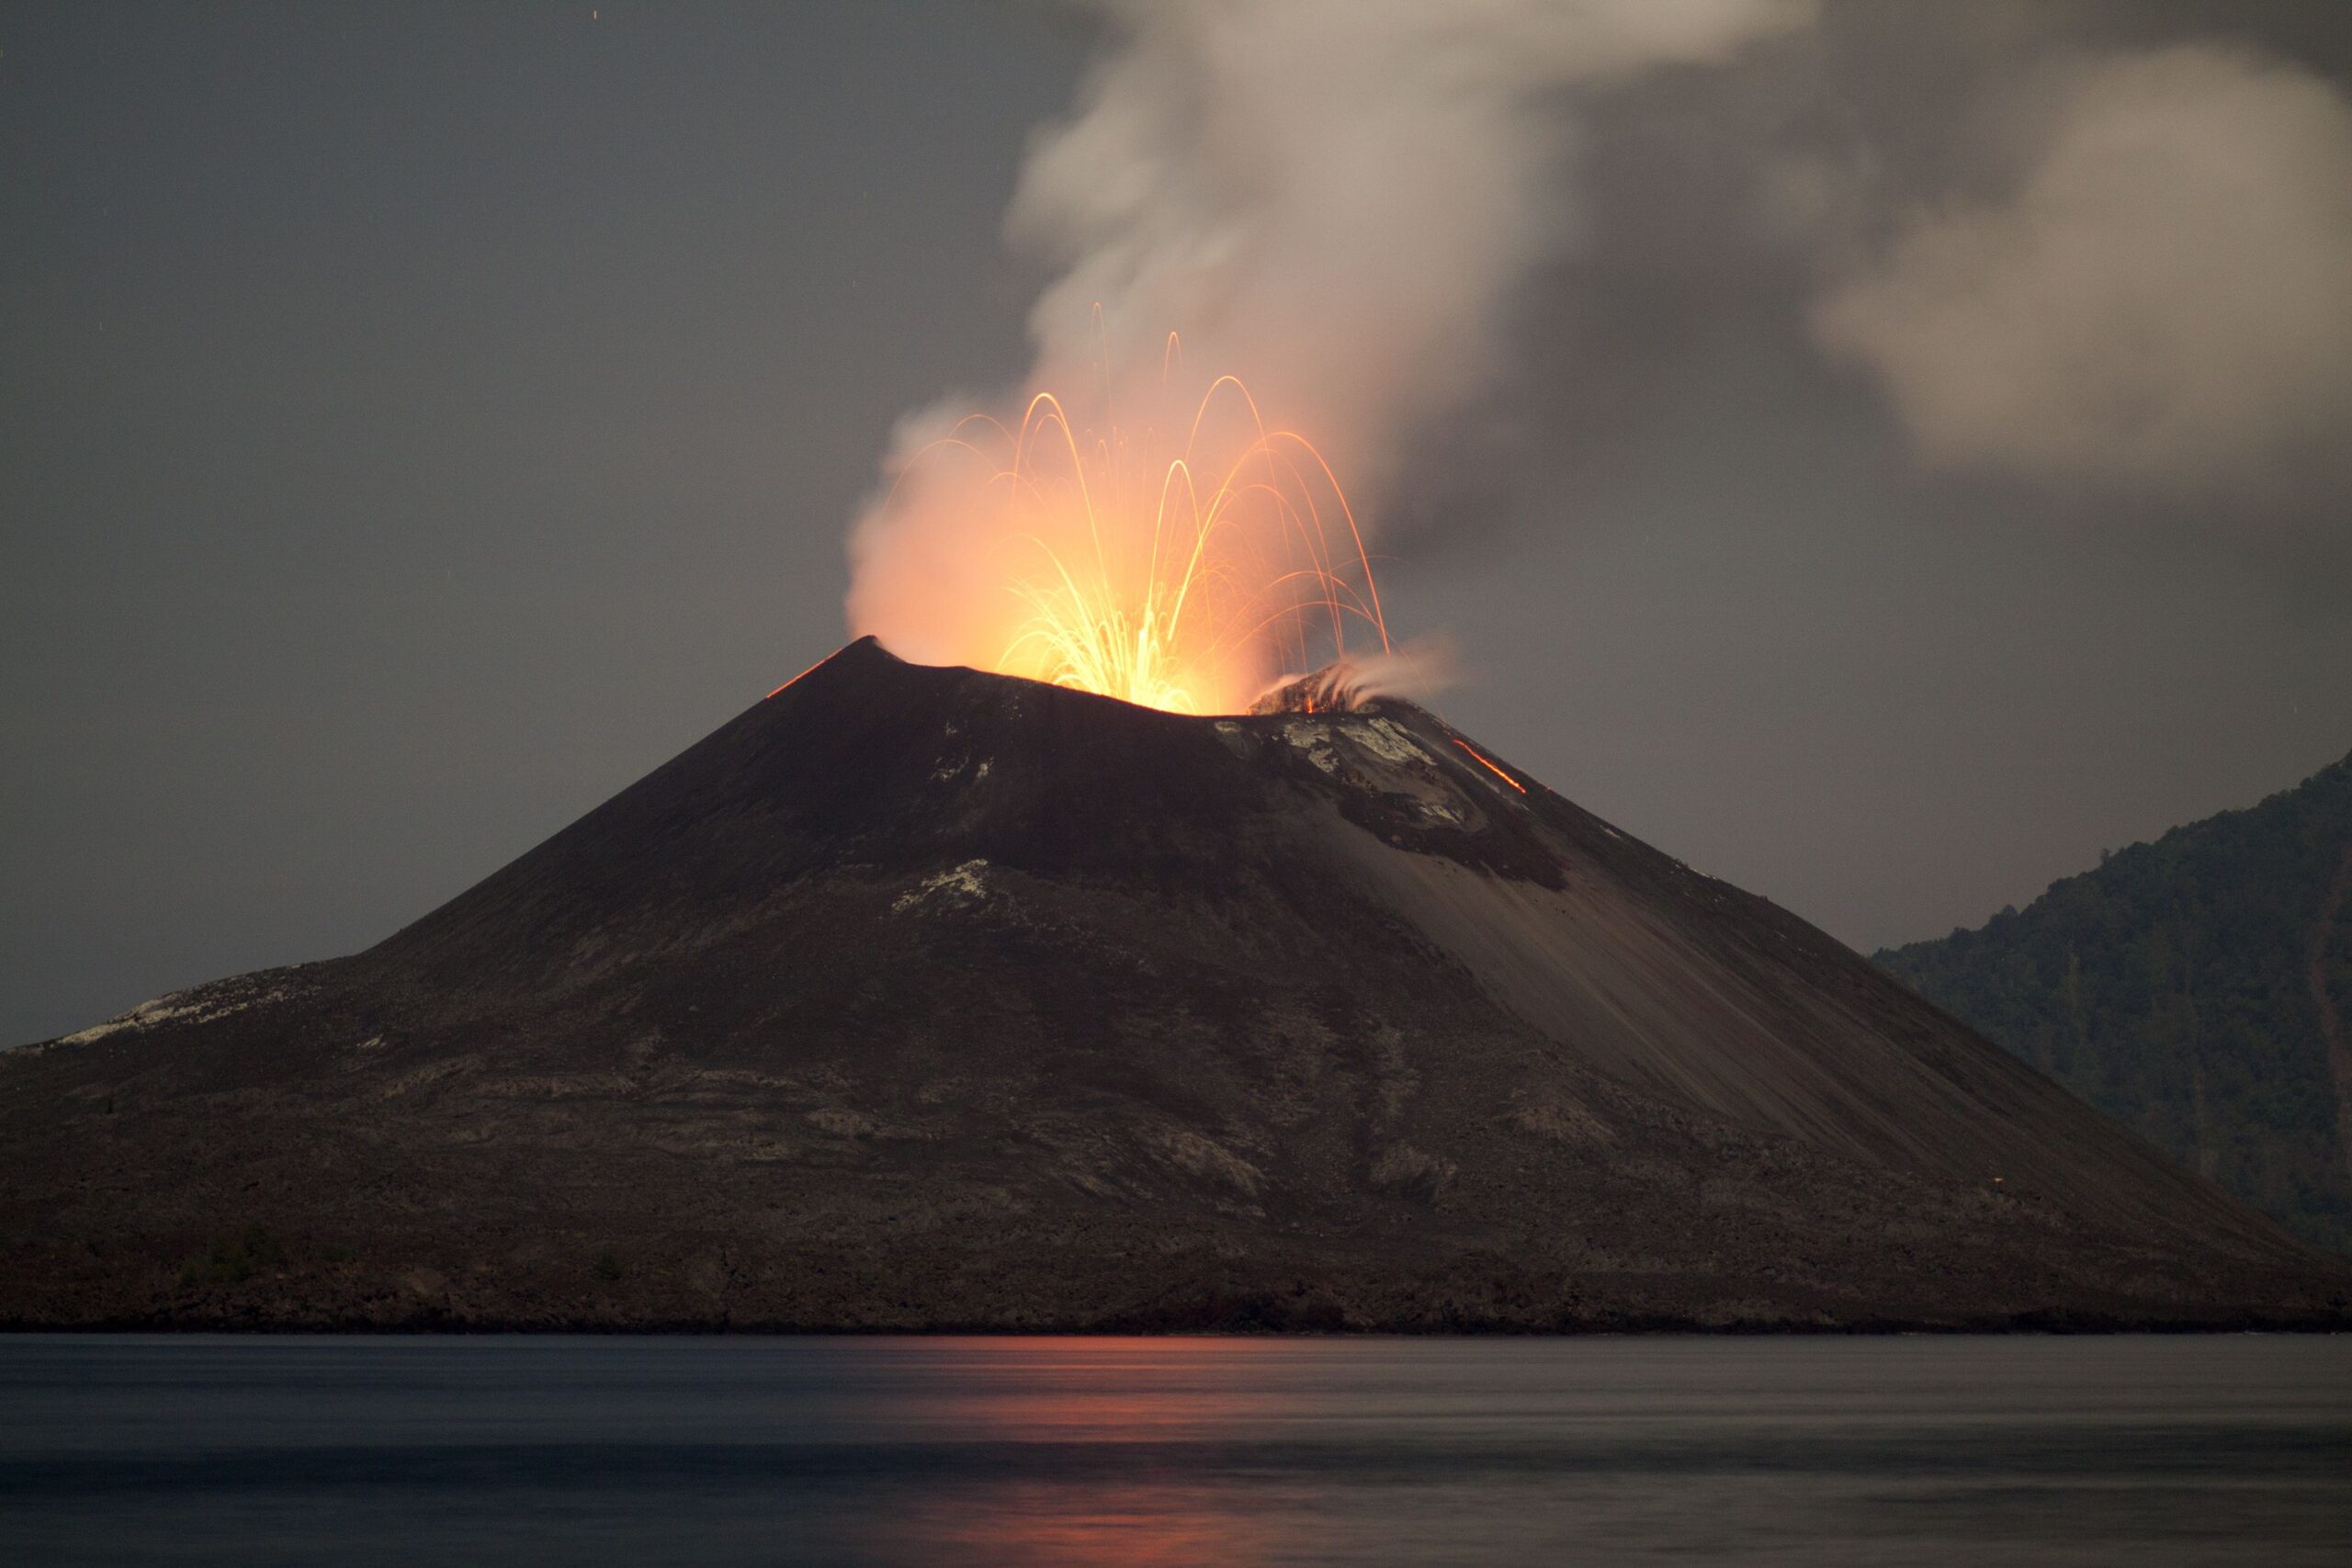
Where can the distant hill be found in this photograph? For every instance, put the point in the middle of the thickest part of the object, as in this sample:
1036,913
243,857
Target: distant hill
2197,989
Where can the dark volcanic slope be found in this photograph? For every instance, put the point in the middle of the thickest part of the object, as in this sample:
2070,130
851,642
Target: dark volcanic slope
925,998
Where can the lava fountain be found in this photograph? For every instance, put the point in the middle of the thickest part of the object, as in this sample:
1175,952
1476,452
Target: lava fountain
1183,564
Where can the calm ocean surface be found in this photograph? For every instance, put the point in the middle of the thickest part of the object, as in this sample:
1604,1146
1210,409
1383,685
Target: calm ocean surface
1234,1451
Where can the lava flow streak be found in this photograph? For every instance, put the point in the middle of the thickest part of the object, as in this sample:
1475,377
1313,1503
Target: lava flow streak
1182,574
1481,759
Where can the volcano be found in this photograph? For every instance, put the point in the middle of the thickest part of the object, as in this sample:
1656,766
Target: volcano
920,998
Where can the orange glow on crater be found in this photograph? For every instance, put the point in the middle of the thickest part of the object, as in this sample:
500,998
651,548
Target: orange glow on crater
1179,567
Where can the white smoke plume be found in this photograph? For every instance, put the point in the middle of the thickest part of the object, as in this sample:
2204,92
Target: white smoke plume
2161,301
1329,198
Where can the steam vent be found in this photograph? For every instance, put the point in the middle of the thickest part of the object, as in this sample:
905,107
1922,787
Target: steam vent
920,998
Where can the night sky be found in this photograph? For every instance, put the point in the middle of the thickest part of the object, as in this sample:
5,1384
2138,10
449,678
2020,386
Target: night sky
417,423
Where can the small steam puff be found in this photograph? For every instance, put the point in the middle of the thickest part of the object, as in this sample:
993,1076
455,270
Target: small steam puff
1418,670
1329,198
2162,301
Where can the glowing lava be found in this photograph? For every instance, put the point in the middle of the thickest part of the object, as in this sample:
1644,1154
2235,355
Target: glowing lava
1488,763
1180,573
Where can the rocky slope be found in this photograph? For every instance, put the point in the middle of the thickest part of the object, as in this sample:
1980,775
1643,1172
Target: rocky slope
921,997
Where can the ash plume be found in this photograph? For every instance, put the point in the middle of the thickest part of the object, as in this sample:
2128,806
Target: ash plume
1329,198
2159,302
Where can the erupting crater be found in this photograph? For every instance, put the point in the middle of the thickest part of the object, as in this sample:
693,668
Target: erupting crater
1173,565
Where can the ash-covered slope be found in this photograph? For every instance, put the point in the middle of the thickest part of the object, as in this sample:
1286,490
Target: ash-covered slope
925,998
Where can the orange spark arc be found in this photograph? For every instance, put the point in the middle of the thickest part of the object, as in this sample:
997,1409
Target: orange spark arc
1180,567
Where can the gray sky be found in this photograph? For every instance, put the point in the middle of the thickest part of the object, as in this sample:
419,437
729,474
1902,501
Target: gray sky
417,423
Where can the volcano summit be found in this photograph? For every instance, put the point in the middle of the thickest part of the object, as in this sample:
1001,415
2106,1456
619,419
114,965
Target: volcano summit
918,997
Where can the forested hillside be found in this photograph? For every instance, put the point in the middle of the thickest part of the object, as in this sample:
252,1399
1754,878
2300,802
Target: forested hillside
2197,988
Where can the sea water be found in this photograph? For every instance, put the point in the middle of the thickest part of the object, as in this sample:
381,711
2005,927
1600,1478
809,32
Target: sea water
639,1450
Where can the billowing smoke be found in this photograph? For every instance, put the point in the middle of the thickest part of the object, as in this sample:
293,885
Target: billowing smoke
1329,198
2160,299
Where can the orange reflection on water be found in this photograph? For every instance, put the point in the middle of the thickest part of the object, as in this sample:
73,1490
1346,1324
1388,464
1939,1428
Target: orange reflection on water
1100,1411
1049,1524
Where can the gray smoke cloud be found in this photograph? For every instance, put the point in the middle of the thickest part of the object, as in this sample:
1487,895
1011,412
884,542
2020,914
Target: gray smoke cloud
2160,298
1331,199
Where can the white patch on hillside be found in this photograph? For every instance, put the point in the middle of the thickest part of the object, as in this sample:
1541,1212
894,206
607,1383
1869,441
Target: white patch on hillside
1315,742
961,885
200,1004
1385,741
